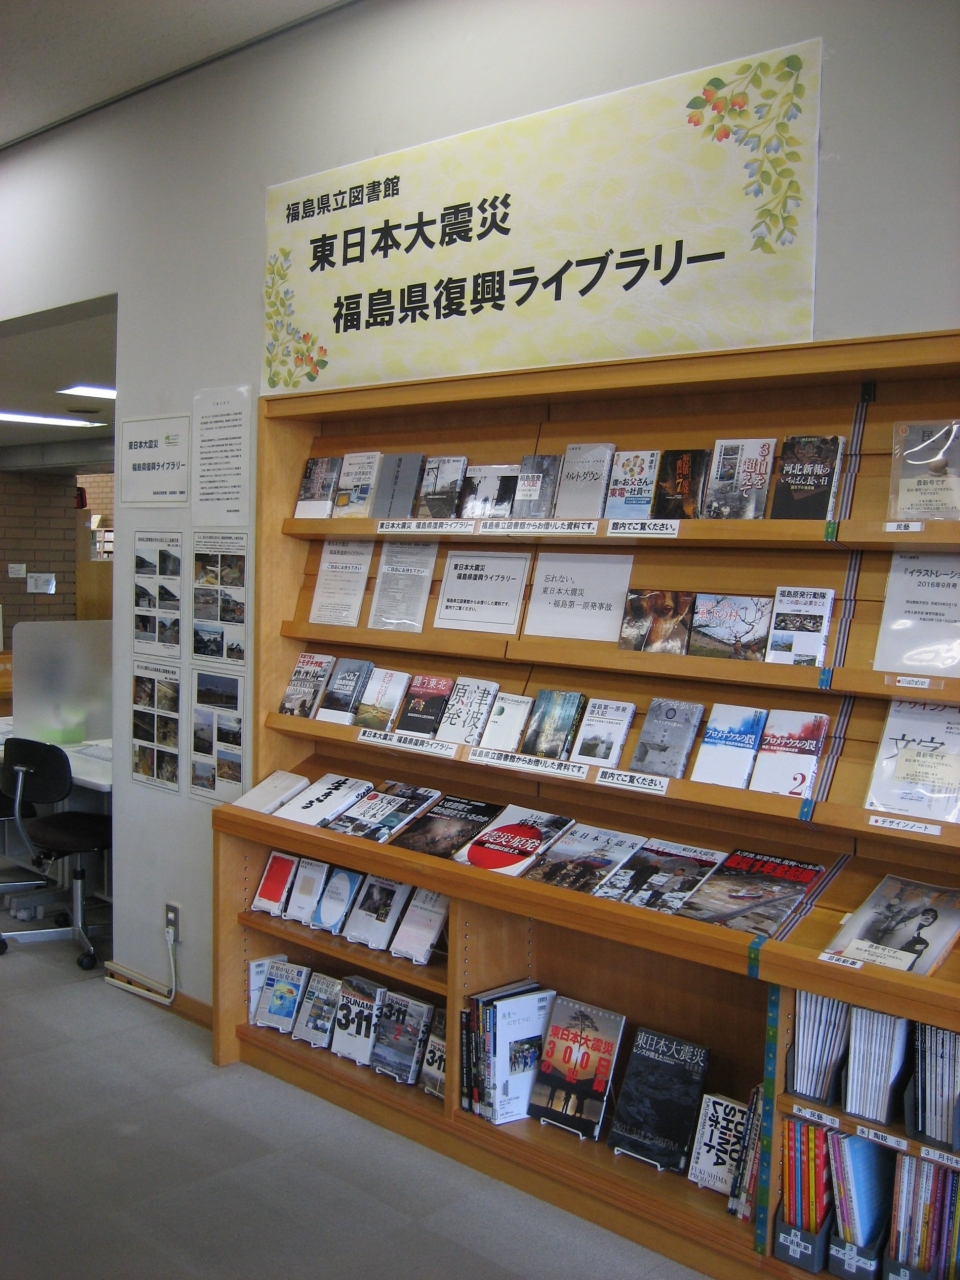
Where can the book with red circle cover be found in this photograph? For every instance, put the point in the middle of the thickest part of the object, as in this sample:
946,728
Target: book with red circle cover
512,841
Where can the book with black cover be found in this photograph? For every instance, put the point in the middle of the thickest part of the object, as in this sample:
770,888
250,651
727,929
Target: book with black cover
807,478
449,825
440,488
553,724
576,1066
681,480
487,492
536,486
659,1100
344,690
424,705
306,685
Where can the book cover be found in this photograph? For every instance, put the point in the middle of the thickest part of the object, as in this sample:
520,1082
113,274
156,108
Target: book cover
536,486
657,621
380,815
376,912
275,883
423,705
513,840
356,485
800,626
448,826
666,738
553,724
729,746
433,1073
517,1026
318,489
256,976
603,731
344,691
318,1012
283,989
752,892
583,857
921,616
807,478
401,1037
273,792
739,479
584,479
917,769
397,486
573,1078
306,889
718,1143
659,1100
336,900
358,1014
306,685
487,492
661,876
381,699
508,716
325,799
730,627
421,926
790,750
632,478
467,711
440,488
681,479
904,924
387,477
925,471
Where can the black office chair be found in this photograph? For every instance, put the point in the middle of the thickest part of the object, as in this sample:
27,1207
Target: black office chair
39,773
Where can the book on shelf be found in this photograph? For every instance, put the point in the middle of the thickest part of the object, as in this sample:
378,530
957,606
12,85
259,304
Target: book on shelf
341,583
917,769
402,588
937,1083
553,724
536,486
355,1029
807,1189
925,471
790,749
877,1054
925,1224
433,1073
903,924
356,485
256,976
507,720
807,478
380,815
421,926
440,488
730,627
666,739
318,1012
381,699
820,1044
602,733
451,823
729,747
423,705
718,1143
275,883
318,488
467,711
583,857
475,1044
513,840
630,491
487,492
921,616
681,480
325,799
657,621
753,892
398,484
306,890
306,685
283,990
740,1203
344,692
579,596
571,1088
401,1038
800,626
376,912
739,479
584,479
273,792
661,876
513,1044
336,900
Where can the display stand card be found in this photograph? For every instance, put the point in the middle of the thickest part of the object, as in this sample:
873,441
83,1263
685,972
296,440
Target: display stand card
579,597
482,591
403,586
341,582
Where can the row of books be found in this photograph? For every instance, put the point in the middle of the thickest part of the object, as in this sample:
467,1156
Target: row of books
925,1225
587,482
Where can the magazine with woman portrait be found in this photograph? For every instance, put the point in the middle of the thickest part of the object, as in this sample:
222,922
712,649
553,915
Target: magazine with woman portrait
904,924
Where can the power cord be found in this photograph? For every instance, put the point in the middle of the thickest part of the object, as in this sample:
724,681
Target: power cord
139,984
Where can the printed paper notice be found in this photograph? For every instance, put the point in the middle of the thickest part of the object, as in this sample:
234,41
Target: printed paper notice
220,597
578,597
403,586
156,725
157,593
221,456
154,461
341,582
482,592
216,768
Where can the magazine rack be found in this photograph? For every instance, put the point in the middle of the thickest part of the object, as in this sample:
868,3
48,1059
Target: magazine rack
698,981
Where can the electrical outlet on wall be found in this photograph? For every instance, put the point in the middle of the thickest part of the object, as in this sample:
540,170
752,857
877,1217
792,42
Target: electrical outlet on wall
171,919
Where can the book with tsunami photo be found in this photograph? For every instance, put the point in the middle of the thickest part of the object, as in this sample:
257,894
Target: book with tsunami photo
306,685
583,857
433,1073
925,471
536,486
800,626
729,747
440,488
283,989
376,912
661,876
380,815
657,621
572,1091
508,716
318,1011
336,900
667,736
584,478
808,478
467,711
730,627
401,1037
904,924
356,485
553,724
487,492
659,1100
739,478
681,479
513,840
630,491
603,731
448,826
355,1029
753,893
318,488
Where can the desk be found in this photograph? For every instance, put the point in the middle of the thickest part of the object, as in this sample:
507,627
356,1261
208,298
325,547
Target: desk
87,763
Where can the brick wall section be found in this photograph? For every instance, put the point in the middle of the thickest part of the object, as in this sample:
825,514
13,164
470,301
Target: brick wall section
99,494
38,528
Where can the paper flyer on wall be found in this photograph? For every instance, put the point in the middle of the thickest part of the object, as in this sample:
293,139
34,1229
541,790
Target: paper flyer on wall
156,724
221,456
482,591
341,582
219,597
154,461
157,593
403,586
216,747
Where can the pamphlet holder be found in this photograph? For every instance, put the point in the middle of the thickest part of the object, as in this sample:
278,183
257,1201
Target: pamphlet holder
569,1129
913,1129
801,1248
846,1260
834,1091
895,1102
622,1151
900,1271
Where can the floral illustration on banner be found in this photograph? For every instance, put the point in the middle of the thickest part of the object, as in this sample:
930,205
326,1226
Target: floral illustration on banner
290,353
763,129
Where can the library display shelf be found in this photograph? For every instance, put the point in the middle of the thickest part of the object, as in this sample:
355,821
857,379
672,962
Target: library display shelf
893,1136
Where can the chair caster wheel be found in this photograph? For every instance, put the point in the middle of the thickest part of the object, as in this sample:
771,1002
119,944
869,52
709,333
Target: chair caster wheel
87,960
4,945
61,919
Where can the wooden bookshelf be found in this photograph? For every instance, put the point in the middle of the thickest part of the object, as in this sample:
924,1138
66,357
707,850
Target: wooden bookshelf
678,976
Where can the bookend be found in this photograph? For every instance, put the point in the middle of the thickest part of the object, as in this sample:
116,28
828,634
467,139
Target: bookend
622,1151
836,1082
569,1129
895,1103
900,1271
801,1248
850,1260
913,1129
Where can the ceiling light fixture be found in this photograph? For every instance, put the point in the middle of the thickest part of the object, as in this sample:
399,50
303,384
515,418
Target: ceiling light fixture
36,419
94,393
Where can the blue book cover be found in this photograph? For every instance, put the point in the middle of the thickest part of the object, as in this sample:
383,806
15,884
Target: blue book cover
729,746
337,899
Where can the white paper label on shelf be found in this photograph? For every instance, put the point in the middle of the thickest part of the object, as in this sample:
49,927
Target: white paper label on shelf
904,824
913,682
795,1243
585,527
643,529
904,526
846,961
527,764
941,1157
818,1117
885,1139
852,1260
426,526
410,742
648,782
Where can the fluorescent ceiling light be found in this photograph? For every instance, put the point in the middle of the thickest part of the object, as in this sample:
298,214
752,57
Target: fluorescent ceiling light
92,393
37,419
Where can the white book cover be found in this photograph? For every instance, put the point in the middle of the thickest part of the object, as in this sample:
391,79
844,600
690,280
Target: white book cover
325,799
318,1011
421,926
739,479
306,890
341,583
467,711
307,683
357,485
381,699
584,479
401,1037
508,717
925,474
632,479
336,900
361,1004
790,750
920,627
603,731
273,792
519,1024
283,989
256,976
800,626
718,1143
917,770
275,883
729,746
318,489
488,492
578,596
377,912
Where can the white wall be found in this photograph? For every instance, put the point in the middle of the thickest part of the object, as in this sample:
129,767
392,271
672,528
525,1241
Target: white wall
161,200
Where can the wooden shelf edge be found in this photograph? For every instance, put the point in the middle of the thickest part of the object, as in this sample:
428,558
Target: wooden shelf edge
447,643
855,820
848,1123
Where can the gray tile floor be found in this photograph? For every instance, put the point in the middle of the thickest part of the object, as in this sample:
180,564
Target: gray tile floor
125,1155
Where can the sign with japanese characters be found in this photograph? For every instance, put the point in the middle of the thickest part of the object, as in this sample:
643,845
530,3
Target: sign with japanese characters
674,216
154,461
